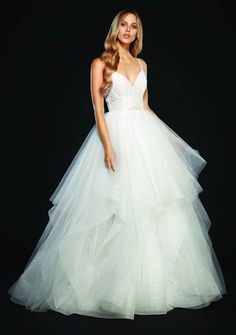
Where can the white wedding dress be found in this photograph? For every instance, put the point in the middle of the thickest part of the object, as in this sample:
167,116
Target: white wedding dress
133,241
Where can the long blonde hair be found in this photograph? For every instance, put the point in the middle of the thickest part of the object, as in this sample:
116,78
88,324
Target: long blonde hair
110,55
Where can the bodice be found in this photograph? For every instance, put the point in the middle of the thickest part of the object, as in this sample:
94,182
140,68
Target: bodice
123,95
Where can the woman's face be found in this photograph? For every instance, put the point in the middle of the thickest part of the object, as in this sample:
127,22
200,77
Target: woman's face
127,29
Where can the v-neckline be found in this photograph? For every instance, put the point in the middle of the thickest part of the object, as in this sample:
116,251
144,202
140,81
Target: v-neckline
133,85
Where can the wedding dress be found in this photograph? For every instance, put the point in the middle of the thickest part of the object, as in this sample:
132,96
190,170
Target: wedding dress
133,241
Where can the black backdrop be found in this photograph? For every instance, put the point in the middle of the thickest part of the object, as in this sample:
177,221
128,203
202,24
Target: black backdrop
46,55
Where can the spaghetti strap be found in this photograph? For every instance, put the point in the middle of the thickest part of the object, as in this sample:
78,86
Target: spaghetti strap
139,63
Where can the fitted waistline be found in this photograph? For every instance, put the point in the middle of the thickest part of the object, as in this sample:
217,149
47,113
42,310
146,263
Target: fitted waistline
127,110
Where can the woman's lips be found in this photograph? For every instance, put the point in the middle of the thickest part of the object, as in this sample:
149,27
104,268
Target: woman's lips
126,36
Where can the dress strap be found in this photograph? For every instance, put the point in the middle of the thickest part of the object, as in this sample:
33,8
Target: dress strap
139,64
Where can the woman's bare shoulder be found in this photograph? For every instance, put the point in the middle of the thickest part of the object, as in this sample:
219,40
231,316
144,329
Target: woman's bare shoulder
143,63
97,64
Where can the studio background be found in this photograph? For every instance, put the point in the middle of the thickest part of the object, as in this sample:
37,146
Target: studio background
46,55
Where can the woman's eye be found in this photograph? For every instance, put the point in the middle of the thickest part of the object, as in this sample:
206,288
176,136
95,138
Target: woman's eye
123,24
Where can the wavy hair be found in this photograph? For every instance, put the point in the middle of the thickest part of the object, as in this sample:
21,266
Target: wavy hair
110,55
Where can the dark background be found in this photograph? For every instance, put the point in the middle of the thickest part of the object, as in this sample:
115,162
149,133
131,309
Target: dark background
46,52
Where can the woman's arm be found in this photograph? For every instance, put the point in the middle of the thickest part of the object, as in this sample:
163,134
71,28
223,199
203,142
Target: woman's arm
179,141
96,79
98,106
145,95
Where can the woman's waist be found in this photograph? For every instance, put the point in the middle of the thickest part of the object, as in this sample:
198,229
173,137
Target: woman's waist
126,110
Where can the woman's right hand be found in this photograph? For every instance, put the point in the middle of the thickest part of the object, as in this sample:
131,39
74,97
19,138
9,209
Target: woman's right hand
109,158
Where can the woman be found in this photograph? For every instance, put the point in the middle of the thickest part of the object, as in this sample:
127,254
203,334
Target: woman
127,233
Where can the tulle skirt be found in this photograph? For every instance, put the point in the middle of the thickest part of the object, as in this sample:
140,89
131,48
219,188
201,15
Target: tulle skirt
133,241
